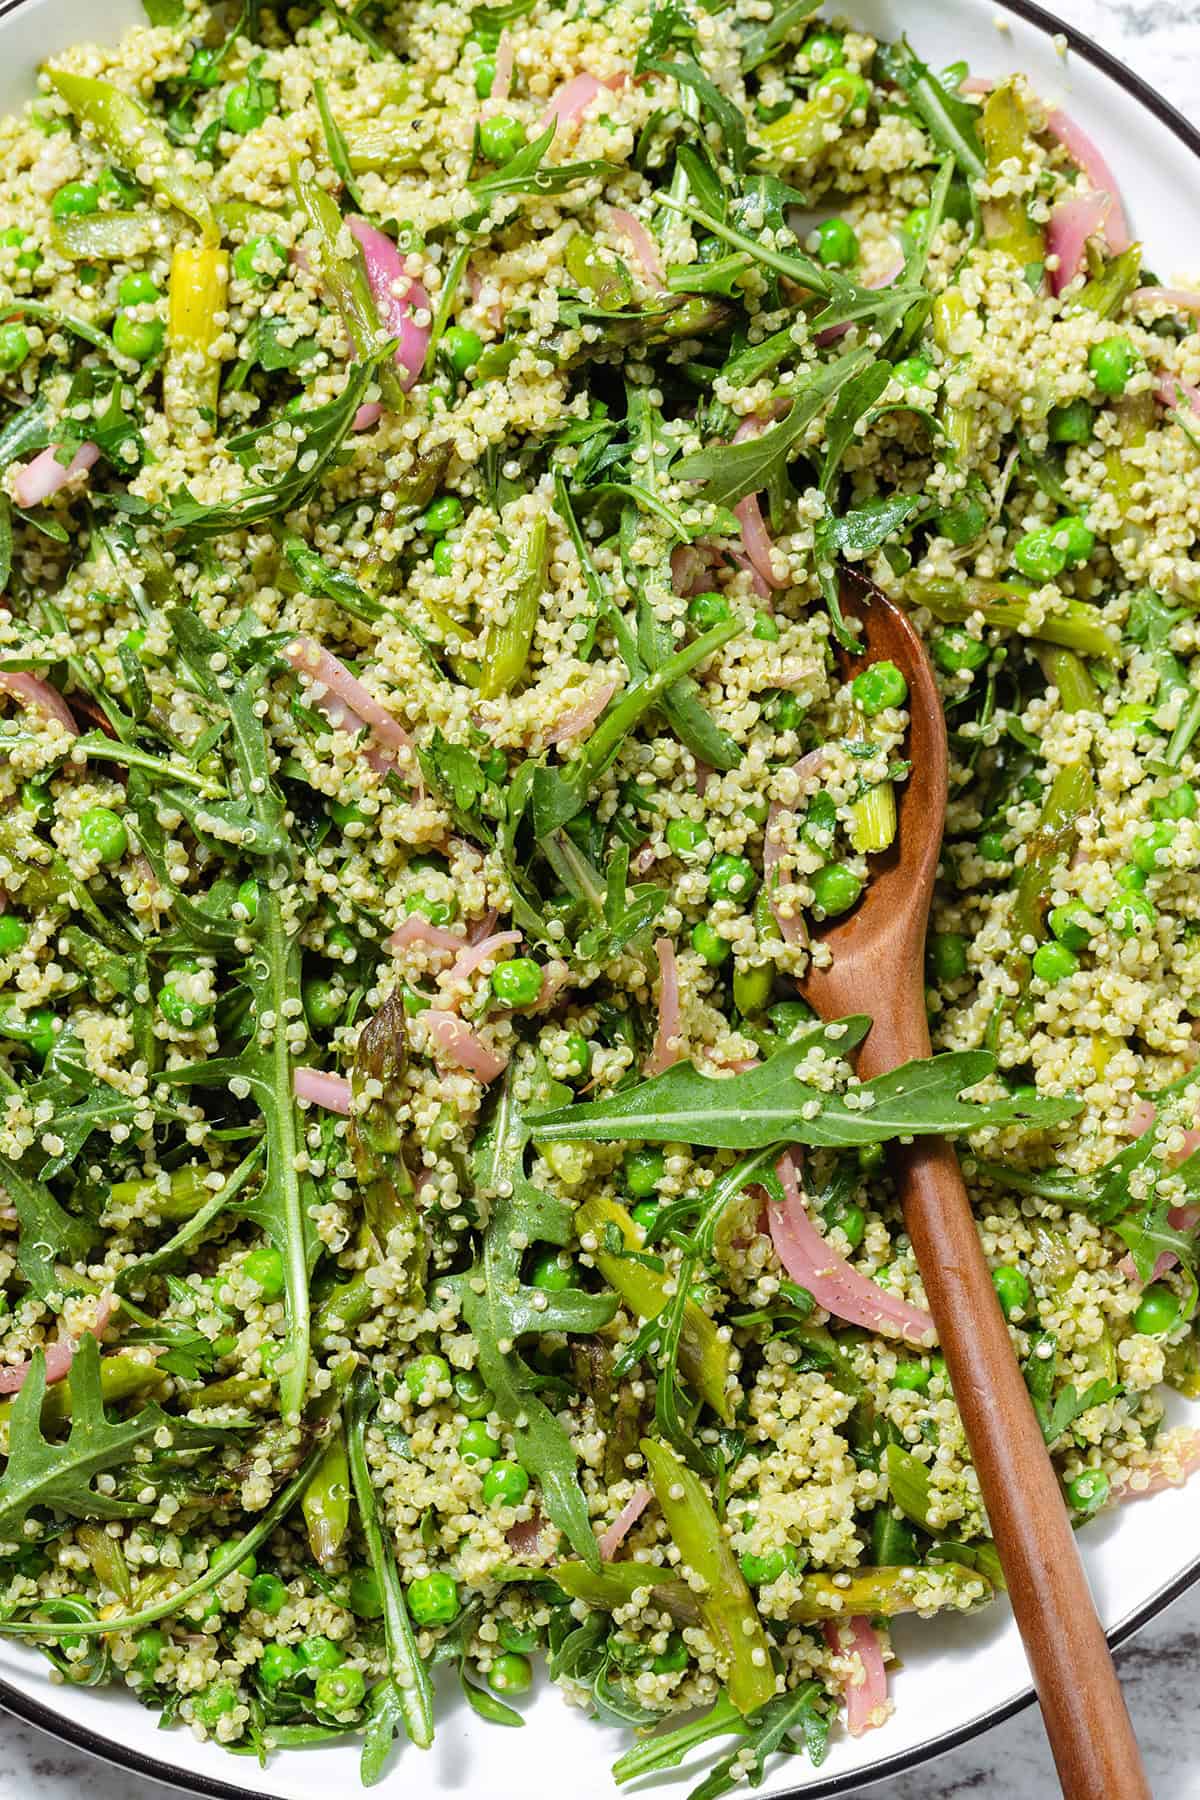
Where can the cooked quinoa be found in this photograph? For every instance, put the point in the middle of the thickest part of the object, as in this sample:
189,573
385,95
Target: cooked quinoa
435,442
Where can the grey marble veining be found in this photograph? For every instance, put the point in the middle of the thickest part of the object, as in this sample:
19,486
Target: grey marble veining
1161,40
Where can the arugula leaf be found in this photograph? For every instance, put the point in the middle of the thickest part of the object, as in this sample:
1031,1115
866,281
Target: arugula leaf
165,12
408,1695
1149,1233
670,24
951,121
60,1475
867,528
323,431
732,471
769,1104
525,173
335,144
1057,1413
500,1309
269,345
729,118
47,1234
761,41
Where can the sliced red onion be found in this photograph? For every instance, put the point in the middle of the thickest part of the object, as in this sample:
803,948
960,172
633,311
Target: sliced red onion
483,927
667,1048
397,296
1170,391
583,715
976,84
643,859
472,956
36,695
417,929
625,1520
691,566
329,1091
502,79
531,1537
1071,224
743,562
58,1356
459,1045
1181,1448
1088,157
571,100
867,1699
368,414
644,247
1182,299
347,704
829,1278
45,476
756,540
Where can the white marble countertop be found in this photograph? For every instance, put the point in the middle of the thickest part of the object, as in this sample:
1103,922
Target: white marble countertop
1161,40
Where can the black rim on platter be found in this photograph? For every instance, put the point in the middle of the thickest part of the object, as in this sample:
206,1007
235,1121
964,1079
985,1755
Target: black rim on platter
15,1700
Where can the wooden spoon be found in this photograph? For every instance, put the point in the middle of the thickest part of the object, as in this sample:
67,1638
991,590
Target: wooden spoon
878,969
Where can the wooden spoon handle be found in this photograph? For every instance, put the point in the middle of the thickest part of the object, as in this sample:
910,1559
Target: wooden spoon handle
1086,1718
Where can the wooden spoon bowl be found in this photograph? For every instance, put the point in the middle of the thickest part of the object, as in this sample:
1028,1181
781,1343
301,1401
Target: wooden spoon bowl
877,968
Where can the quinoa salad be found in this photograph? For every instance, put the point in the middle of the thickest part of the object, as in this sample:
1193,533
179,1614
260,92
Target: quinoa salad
441,1249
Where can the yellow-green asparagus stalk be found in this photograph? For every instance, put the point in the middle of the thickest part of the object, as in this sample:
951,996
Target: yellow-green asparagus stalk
506,647
135,141
196,298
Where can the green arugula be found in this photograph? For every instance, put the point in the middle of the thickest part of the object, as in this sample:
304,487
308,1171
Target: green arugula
729,118
1056,1413
46,1233
501,1309
760,42
769,1104
951,121
769,1732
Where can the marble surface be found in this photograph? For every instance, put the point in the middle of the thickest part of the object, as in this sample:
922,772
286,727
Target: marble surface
1161,40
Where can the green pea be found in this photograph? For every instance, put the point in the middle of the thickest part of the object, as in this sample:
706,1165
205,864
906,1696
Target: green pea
176,1008
1158,1310
102,833
955,650
14,346
765,629
320,1652
248,104
366,1599
823,50
443,558
993,849
260,261
752,988
835,889
684,836
150,1645
731,878
485,76
578,1055
916,225
265,1266
1070,424
871,1158
517,982
551,1274
277,1664
1129,910
642,1171
645,1213
785,711
339,1690
1012,1289
948,955
505,1484
1054,962
442,516
846,84
912,371
1111,363
849,1219
837,244
433,1599
1076,538
461,348
268,1594
500,137
1131,879
137,289
1180,803
879,687
1089,1491
424,1375
345,812
472,1393
247,898
1149,850
1039,556
204,70
759,1570
114,185
963,522
13,933
75,200
790,1017
707,610
139,339
710,944
214,1703
324,1001
476,1443
912,1377
511,1673
38,1029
